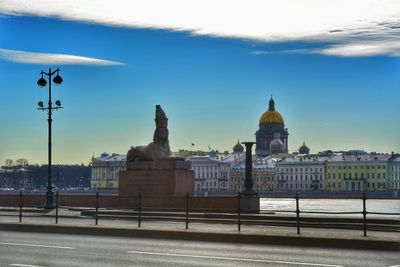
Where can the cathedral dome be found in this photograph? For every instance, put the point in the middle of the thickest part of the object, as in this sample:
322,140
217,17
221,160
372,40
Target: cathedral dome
238,148
271,115
304,149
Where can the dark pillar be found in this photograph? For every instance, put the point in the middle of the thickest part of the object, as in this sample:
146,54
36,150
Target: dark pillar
248,182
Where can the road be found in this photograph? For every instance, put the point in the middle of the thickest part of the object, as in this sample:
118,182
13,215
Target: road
41,249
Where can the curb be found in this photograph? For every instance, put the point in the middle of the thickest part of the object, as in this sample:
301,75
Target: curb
285,240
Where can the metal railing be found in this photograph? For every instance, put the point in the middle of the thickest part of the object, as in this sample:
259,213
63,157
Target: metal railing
239,215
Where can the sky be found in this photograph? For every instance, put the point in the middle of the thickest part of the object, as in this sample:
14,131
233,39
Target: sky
331,66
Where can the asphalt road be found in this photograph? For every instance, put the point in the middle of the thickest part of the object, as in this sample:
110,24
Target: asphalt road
41,249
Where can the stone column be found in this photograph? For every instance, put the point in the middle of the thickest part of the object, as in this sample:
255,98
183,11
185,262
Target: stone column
248,182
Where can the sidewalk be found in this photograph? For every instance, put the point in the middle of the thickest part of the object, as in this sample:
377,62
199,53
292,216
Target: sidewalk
71,223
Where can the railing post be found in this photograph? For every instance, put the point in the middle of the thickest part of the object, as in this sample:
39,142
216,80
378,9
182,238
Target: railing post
20,206
96,216
238,210
187,211
297,213
56,207
140,210
364,198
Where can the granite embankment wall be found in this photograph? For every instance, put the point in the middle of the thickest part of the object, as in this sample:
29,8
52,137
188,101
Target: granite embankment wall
132,202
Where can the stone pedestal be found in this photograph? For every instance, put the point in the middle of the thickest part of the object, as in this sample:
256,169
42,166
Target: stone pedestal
250,204
156,182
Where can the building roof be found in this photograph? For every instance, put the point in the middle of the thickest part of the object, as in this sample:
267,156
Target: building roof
258,163
303,159
112,157
342,157
230,158
395,158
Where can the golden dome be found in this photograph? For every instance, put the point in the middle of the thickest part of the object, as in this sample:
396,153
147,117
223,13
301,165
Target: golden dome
271,115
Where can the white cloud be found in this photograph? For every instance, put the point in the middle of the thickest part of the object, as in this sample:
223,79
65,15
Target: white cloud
362,49
55,59
340,21
259,52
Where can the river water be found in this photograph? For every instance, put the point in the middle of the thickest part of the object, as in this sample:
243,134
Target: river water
333,205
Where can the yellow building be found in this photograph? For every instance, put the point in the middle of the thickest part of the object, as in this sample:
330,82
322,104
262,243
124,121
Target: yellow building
367,172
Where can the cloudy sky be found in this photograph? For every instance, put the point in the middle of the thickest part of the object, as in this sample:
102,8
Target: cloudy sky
332,67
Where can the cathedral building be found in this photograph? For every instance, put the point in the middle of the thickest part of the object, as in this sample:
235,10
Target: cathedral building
272,136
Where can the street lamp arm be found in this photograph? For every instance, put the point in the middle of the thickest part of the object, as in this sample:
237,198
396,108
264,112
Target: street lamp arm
50,73
52,108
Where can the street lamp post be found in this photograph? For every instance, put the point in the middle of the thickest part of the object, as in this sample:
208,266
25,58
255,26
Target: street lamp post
42,83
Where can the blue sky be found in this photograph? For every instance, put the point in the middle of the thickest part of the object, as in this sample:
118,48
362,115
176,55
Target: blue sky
337,89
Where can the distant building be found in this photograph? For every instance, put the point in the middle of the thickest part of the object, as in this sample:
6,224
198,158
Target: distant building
300,173
184,153
355,152
212,171
2,176
271,123
357,172
16,177
105,170
394,172
263,175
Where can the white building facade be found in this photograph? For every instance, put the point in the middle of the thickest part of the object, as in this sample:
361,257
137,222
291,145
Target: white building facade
212,172
105,170
300,173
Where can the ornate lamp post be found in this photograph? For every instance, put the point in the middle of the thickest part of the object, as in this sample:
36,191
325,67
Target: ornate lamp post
42,83
248,181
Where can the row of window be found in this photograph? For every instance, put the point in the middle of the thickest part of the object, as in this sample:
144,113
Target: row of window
349,167
287,170
350,186
296,178
257,178
206,175
396,168
205,168
300,186
350,176
211,185
257,187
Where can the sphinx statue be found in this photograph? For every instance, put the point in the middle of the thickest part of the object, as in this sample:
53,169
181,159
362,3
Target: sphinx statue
159,149
152,169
